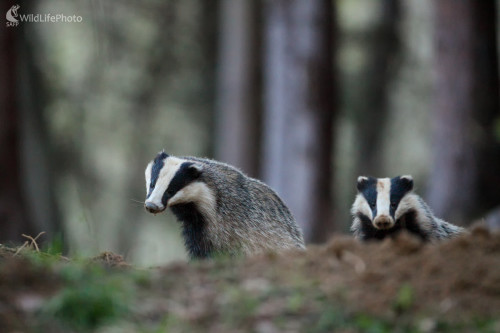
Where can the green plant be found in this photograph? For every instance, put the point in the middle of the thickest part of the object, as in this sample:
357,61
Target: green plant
92,297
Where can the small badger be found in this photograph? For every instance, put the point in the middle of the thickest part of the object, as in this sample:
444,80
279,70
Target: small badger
385,206
221,209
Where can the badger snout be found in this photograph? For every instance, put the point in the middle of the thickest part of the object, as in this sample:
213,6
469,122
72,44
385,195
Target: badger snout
383,222
153,208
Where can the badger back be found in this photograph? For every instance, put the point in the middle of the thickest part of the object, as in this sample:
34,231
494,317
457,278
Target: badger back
244,200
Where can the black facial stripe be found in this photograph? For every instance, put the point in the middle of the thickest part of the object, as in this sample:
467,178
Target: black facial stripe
158,164
398,190
182,177
369,192
409,222
364,219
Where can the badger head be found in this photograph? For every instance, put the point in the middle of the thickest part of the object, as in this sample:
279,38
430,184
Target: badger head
172,181
378,200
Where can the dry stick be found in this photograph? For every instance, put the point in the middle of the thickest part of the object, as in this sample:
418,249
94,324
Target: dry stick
33,242
22,247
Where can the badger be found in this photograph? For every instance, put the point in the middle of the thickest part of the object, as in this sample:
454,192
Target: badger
385,206
221,210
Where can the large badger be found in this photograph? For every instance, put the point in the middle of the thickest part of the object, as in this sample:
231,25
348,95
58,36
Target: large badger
221,209
385,206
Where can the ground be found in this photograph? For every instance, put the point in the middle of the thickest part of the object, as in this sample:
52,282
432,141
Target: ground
398,285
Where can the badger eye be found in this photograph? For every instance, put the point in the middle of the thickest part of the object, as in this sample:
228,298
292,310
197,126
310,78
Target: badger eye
372,204
393,205
170,192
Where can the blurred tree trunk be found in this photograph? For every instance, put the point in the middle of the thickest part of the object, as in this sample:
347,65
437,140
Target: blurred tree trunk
381,44
486,94
238,95
14,219
299,109
466,88
27,203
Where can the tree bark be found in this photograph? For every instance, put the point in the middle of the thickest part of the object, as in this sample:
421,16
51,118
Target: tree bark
238,95
298,116
487,110
465,88
39,183
14,219
382,45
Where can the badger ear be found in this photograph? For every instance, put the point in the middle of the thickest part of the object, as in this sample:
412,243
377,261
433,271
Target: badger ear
407,182
195,169
362,182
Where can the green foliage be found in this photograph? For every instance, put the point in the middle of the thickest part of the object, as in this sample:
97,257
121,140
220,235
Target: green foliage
41,259
55,246
404,299
496,129
295,301
372,325
331,318
478,325
92,297
240,307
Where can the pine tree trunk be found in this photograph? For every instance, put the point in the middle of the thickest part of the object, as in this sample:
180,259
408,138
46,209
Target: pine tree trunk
14,219
466,88
238,95
299,109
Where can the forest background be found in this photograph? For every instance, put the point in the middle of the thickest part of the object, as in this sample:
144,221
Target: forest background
305,95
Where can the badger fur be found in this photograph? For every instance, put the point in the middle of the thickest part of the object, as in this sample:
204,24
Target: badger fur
221,209
385,206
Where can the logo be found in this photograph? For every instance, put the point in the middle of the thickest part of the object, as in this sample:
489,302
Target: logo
11,16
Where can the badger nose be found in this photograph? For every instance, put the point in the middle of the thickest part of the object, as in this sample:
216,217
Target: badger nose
383,222
151,207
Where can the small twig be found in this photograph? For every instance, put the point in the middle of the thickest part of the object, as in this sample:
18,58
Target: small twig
33,243
22,247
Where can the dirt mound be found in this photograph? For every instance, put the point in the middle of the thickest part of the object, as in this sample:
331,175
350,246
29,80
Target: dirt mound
109,259
398,284
408,285
458,278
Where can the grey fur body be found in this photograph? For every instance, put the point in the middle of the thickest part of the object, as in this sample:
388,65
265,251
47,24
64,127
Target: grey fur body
238,214
438,229
405,211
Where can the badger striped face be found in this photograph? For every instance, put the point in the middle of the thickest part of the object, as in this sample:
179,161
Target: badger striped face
379,198
171,181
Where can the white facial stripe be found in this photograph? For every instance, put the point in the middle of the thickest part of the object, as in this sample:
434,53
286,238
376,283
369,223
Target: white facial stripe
407,202
170,167
148,176
196,192
361,206
383,196
362,178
